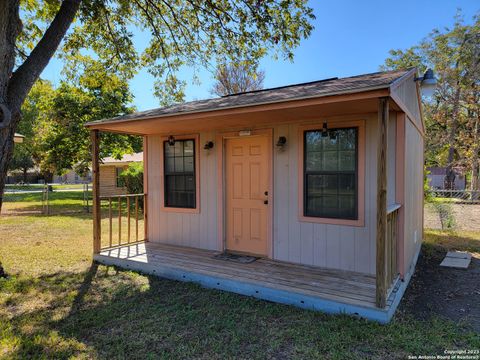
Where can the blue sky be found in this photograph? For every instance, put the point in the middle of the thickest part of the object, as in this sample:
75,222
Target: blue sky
351,37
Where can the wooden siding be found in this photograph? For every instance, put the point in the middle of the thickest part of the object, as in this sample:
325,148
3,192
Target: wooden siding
108,182
391,156
406,94
197,230
331,246
413,211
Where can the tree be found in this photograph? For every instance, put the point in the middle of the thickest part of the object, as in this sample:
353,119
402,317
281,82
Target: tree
61,141
452,114
236,78
183,33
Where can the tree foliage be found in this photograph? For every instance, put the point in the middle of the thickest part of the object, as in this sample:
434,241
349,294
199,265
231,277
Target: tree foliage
193,33
182,33
132,178
452,115
236,78
53,122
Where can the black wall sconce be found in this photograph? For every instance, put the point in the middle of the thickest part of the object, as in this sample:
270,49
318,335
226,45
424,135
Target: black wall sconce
332,134
324,129
171,140
281,142
208,145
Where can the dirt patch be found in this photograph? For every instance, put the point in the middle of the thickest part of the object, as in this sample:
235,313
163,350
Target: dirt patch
467,217
445,292
431,218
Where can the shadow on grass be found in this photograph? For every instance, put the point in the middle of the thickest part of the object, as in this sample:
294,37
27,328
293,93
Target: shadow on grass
111,313
452,240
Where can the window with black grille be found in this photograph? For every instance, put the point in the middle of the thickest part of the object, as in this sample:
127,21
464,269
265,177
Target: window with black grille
330,173
179,172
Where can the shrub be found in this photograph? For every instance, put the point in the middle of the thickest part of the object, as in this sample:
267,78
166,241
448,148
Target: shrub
132,178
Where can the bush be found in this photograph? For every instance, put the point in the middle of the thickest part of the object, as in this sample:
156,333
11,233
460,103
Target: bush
132,178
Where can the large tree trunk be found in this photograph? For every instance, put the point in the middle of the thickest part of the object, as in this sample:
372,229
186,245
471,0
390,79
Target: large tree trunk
450,174
14,86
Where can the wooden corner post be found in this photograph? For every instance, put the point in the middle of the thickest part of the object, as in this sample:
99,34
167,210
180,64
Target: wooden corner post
95,139
381,280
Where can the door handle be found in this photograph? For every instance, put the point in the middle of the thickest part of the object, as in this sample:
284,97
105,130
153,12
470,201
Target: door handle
265,202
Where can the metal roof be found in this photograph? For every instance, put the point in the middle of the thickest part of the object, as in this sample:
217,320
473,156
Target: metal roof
321,88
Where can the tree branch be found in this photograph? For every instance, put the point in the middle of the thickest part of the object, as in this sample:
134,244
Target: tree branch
25,76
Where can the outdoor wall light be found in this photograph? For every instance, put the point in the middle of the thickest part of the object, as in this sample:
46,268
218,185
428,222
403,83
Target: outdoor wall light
171,140
281,142
427,82
208,145
324,129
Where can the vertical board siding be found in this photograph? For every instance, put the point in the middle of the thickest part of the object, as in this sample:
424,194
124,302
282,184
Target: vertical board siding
326,245
391,156
281,200
407,94
108,181
413,193
333,246
185,229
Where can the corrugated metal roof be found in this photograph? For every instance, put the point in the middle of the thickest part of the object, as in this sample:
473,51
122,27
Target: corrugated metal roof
327,87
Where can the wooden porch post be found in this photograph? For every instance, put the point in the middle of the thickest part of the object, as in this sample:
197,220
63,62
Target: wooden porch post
381,285
94,136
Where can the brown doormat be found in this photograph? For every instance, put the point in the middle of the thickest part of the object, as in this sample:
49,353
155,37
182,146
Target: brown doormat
243,259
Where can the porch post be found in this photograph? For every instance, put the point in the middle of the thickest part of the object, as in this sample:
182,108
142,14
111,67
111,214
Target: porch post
381,281
95,139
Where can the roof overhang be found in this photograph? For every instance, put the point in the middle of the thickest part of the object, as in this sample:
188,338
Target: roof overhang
346,102
243,116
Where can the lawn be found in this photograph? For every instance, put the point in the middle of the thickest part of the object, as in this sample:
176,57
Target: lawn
57,304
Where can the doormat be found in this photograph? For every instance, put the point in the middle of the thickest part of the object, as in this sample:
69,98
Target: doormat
243,259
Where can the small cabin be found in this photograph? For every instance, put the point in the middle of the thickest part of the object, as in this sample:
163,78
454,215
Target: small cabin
308,194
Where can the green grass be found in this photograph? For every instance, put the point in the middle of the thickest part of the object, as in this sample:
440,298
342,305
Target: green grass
57,304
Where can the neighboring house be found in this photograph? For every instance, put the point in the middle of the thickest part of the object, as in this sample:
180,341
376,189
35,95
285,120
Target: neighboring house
32,176
110,170
72,177
436,178
322,181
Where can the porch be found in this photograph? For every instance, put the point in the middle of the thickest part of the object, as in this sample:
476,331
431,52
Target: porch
315,288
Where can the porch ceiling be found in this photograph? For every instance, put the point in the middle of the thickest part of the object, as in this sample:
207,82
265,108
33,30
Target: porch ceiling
251,116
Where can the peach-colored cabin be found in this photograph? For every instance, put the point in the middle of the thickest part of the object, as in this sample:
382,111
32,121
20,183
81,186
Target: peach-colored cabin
320,184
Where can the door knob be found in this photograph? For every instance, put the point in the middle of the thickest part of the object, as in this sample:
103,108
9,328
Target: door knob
265,202
266,193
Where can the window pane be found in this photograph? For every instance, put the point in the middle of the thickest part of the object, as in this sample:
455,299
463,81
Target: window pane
346,160
188,163
330,161
169,164
178,148
188,148
313,160
180,174
178,164
169,150
330,173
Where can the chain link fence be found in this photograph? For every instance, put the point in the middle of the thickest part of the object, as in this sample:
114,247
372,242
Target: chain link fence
452,210
46,199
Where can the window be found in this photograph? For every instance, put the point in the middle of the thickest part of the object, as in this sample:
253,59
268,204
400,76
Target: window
179,174
330,176
118,179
